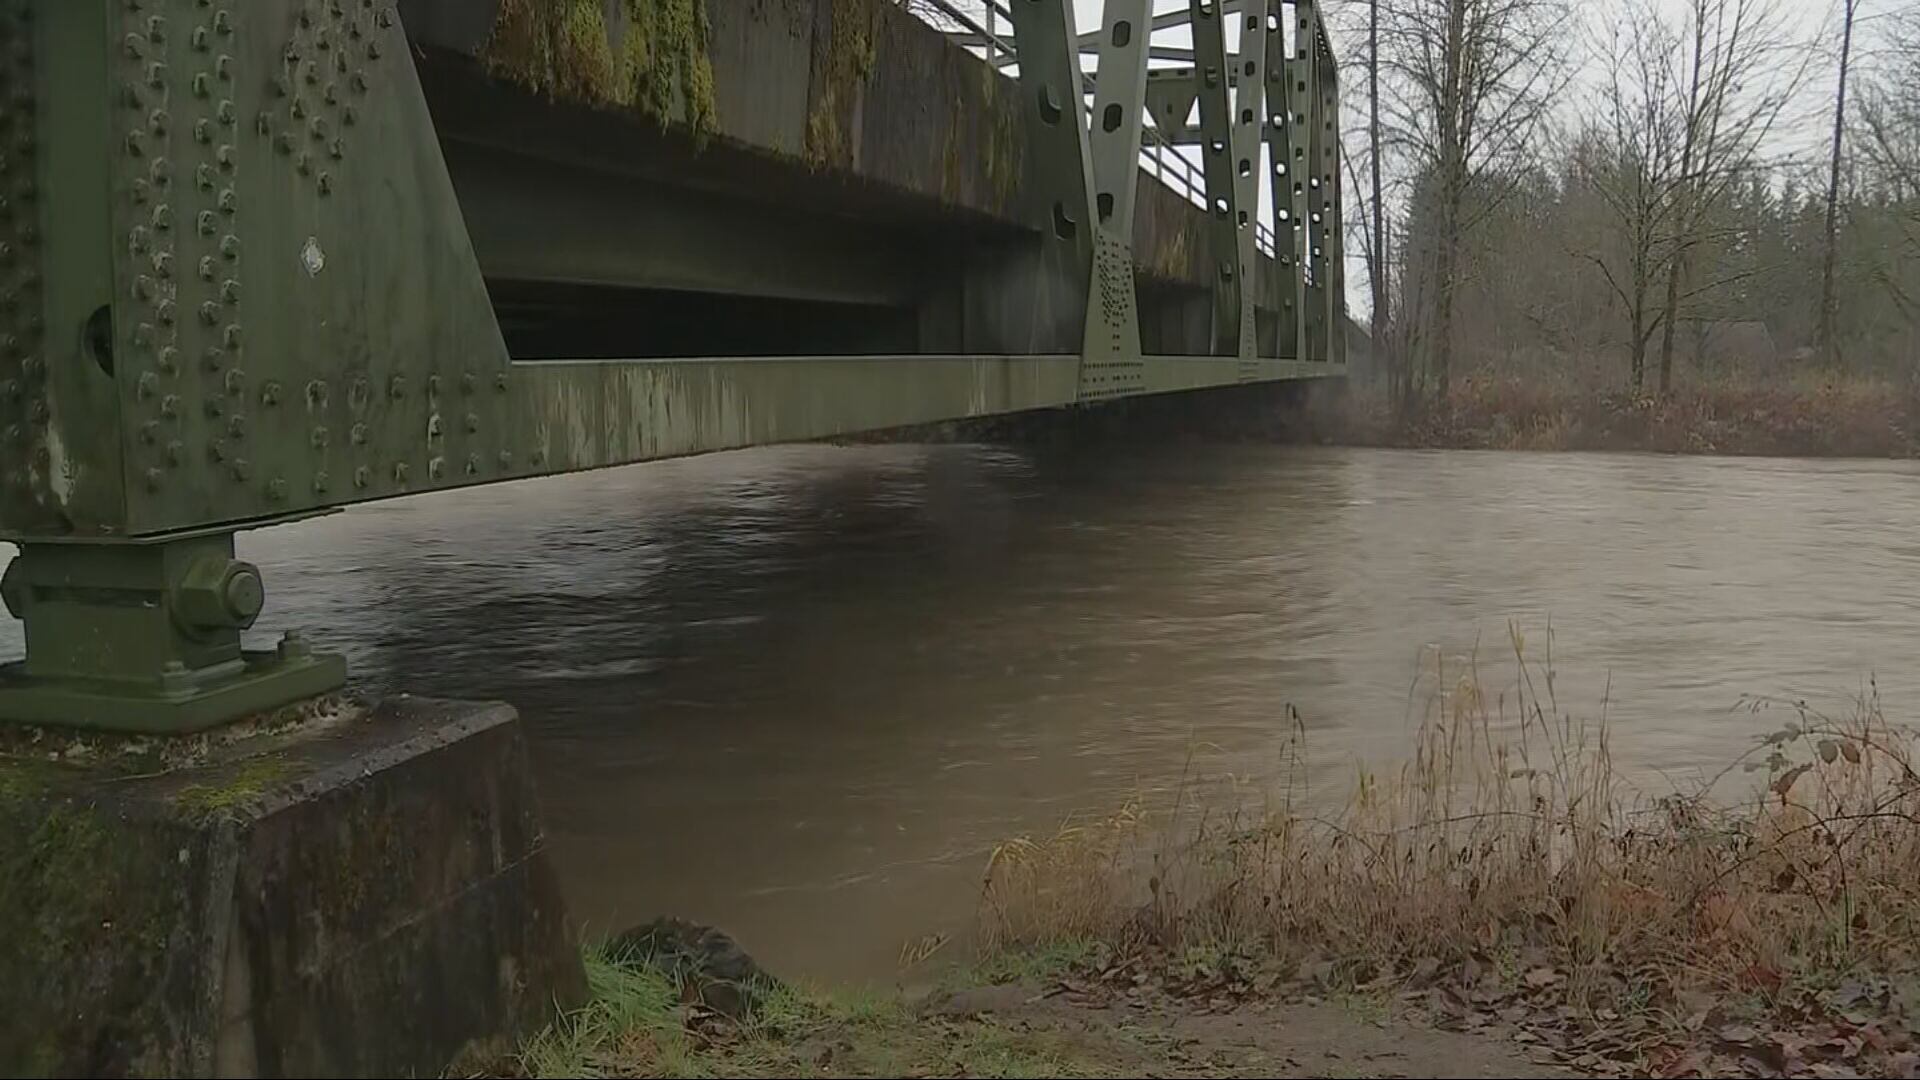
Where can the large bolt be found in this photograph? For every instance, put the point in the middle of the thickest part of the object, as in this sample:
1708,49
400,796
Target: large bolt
219,594
14,589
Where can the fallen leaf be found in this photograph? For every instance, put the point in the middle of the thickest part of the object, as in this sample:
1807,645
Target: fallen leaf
1737,1033
1542,977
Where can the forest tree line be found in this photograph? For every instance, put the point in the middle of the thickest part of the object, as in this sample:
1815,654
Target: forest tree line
1633,194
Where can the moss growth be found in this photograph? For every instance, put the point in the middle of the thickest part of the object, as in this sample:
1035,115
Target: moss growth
246,784
844,73
657,63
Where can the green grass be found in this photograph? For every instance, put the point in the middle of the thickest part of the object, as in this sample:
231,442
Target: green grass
634,1024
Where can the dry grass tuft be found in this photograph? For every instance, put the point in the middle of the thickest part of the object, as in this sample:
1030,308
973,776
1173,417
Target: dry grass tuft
1508,846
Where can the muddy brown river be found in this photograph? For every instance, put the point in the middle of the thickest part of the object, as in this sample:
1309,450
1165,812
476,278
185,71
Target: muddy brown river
800,692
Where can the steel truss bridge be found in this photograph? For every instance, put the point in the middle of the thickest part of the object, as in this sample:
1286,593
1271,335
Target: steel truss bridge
261,259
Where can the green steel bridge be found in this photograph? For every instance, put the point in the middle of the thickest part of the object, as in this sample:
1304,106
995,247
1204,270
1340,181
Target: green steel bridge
261,259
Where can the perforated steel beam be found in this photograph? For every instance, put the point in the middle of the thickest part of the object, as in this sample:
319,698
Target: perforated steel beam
1249,66
1216,130
1281,165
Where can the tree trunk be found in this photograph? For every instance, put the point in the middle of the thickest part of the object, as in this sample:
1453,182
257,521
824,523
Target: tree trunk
1452,180
1828,302
1683,191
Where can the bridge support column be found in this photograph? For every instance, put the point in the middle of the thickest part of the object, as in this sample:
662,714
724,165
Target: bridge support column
340,892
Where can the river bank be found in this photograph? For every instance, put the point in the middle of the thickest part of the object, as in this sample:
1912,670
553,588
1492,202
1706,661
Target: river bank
1804,416
1504,888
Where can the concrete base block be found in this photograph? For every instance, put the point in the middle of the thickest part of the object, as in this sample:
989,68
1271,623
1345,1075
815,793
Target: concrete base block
352,892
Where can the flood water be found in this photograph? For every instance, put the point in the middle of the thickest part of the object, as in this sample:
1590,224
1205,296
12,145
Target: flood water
800,692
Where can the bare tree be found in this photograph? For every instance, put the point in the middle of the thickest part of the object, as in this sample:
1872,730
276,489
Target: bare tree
1827,341
1740,73
1469,85
1629,156
1377,240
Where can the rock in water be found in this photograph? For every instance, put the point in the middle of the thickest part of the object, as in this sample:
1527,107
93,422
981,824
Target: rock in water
702,959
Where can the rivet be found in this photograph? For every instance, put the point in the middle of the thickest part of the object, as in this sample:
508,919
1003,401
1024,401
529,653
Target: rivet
131,95
231,337
237,426
210,313
203,176
398,387
506,459
170,359
349,115
433,386
263,124
358,434
320,482
147,385
285,142
386,18
162,217
176,451
230,291
468,382
226,112
223,67
202,86
435,467
332,94
145,287
135,49
277,490
223,21
473,464
207,222
236,381
229,201
539,455
299,108
400,472
225,156
270,393
311,72
138,239
282,85
142,191
200,41
326,183
217,450
157,75
360,477
150,432
473,422
500,382
170,405
134,144
157,29
213,357
340,61
158,121
214,406
154,477
143,335
433,426
373,50
360,80
320,437
163,311
337,149
242,468
163,263
206,268
230,246
305,164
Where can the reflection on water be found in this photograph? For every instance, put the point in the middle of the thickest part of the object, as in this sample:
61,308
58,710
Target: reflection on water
798,692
